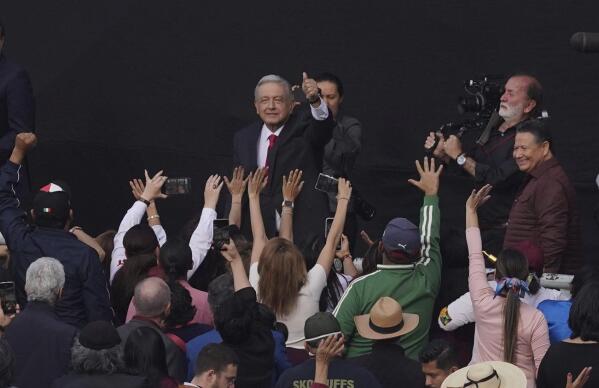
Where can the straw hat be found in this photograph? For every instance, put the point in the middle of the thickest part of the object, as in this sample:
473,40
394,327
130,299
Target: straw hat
489,374
386,320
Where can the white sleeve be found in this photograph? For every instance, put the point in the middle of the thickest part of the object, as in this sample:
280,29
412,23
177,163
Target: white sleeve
459,313
131,218
321,113
254,277
317,281
160,234
201,239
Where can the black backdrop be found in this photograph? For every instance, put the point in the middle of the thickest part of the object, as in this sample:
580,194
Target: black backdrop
123,85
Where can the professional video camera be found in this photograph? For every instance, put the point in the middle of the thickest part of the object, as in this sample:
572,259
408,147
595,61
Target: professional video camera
477,106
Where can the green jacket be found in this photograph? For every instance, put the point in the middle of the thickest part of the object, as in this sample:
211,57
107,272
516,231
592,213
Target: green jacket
414,286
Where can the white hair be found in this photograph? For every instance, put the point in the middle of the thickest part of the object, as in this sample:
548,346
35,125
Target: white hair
273,78
44,280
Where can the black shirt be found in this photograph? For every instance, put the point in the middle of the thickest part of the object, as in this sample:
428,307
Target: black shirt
564,357
342,374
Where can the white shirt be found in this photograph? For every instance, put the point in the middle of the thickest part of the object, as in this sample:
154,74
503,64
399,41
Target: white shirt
320,113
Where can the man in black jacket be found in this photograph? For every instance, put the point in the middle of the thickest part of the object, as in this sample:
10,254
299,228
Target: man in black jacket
85,296
287,138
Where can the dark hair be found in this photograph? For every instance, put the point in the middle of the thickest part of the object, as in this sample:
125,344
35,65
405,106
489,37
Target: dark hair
182,308
333,79
7,364
584,275
219,290
140,239
145,355
282,328
511,263
538,129
215,357
441,351
106,242
134,270
584,313
234,320
372,258
89,361
175,258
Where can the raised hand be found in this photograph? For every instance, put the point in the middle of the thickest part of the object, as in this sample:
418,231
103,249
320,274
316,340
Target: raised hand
344,251
293,185
581,380
257,182
439,151
153,186
343,189
229,251
236,185
25,141
429,176
137,188
214,184
477,198
310,88
366,238
329,348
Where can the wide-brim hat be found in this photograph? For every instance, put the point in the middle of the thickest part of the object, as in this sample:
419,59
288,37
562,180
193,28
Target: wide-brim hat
386,320
489,374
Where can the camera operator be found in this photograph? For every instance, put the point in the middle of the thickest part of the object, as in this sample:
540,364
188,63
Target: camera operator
490,161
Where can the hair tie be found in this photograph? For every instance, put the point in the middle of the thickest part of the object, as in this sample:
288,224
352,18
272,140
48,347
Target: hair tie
517,285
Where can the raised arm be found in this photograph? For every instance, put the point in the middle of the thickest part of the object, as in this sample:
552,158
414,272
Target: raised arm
291,188
152,190
327,254
236,187
201,238
257,182
137,189
344,254
240,278
88,240
477,279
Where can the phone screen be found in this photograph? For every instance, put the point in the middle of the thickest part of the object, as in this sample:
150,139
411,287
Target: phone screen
326,183
8,297
220,235
177,186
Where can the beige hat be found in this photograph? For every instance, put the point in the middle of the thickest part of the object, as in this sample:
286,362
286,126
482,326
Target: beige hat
386,320
489,374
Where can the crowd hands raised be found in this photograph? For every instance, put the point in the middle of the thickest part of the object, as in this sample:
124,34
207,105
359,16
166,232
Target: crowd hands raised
264,312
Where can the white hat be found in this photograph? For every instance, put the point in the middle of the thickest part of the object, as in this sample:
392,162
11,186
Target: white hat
489,374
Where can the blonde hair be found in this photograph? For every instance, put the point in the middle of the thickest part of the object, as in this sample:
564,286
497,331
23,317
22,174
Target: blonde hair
282,270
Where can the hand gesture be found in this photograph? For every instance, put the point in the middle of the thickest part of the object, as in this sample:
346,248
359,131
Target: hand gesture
453,147
6,320
137,188
439,151
344,251
366,238
153,186
477,198
429,177
229,251
212,191
257,181
329,348
25,141
343,189
293,185
237,184
310,88
581,380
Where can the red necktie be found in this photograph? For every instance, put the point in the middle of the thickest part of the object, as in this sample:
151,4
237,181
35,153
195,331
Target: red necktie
272,139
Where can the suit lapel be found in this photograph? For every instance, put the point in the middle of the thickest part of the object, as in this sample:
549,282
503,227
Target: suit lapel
286,133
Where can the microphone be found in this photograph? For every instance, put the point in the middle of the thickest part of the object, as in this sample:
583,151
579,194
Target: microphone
585,42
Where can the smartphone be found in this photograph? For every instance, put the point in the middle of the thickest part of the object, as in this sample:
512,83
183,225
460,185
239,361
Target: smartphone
8,298
326,183
327,227
220,232
177,186
298,94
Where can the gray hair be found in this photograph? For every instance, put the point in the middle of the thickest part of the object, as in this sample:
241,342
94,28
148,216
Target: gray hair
91,361
273,78
151,298
44,280
219,290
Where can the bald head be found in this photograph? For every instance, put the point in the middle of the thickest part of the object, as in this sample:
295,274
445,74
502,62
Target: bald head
152,297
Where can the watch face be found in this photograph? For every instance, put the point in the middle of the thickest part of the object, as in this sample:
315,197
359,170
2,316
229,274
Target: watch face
338,265
461,159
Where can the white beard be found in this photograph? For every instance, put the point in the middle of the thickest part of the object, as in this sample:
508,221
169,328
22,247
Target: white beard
508,112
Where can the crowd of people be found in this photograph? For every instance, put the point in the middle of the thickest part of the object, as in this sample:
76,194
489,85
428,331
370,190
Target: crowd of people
268,301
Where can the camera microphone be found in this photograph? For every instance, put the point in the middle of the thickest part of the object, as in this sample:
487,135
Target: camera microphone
585,42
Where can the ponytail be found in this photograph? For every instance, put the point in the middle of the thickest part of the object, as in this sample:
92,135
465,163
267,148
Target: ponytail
511,318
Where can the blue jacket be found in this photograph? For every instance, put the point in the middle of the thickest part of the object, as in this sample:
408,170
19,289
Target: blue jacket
85,294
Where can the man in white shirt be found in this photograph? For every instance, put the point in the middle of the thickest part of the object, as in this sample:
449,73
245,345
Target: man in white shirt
287,137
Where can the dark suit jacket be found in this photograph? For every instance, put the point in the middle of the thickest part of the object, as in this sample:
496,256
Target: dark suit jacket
300,145
42,345
117,380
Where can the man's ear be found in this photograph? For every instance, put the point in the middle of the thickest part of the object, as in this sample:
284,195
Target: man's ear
530,106
453,369
32,213
257,107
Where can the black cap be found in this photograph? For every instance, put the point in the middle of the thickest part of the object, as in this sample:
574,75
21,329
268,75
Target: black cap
53,201
99,335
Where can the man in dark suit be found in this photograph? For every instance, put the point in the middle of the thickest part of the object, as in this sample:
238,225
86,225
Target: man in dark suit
287,139
17,108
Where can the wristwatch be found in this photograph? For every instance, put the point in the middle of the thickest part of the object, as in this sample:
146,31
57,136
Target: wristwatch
461,159
287,204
